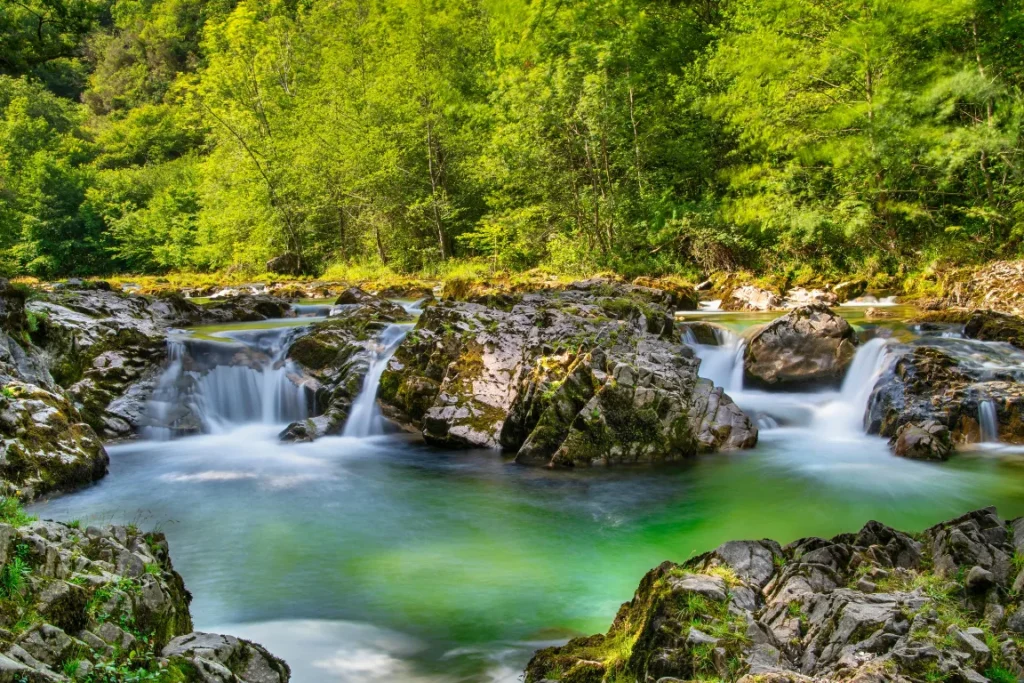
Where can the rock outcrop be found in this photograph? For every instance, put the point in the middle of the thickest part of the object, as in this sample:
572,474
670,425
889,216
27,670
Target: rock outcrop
878,605
993,326
938,386
810,346
335,355
590,374
106,602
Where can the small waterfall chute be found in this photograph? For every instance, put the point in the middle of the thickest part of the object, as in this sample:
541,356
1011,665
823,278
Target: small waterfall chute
247,378
988,421
846,413
365,418
721,363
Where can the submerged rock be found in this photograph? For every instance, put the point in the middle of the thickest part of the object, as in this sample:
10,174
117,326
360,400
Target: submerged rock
591,374
879,605
809,346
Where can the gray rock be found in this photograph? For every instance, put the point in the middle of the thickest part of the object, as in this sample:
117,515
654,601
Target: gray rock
806,347
228,659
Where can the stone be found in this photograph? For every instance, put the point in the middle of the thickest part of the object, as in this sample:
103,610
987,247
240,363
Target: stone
285,264
243,661
591,375
992,326
979,579
975,648
810,346
751,298
800,296
929,440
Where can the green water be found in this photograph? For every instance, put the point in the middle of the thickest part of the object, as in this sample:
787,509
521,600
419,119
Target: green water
380,559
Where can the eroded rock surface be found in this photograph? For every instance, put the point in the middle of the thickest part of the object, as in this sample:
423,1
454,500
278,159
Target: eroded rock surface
878,605
809,346
939,385
107,598
590,374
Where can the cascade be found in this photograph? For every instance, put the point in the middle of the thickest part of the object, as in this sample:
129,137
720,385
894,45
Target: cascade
988,421
846,413
365,418
721,363
244,379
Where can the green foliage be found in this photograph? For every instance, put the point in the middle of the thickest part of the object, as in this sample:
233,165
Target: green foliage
785,136
11,511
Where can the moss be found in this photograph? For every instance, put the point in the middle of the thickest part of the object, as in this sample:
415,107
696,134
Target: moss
313,352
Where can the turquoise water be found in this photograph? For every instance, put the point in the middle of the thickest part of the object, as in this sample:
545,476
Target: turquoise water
380,559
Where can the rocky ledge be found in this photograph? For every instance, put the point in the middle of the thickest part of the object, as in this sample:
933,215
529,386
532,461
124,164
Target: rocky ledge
878,605
105,604
593,373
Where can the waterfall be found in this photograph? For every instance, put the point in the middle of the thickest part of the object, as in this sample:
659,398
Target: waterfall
846,413
164,406
365,418
721,363
245,378
988,421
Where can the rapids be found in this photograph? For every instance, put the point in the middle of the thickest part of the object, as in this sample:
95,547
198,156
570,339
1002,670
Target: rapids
369,557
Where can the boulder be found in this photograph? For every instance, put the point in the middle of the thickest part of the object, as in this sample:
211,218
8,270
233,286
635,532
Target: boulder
850,608
929,440
751,298
799,296
224,659
44,445
591,374
992,326
810,346
285,264
849,289
247,308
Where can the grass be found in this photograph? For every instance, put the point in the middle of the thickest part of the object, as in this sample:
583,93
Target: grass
11,512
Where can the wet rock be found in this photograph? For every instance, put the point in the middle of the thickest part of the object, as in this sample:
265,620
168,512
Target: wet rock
945,382
799,296
816,616
225,659
44,445
850,289
806,347
929,440
335,356
247,308
751,298
583,376
992,326
701,332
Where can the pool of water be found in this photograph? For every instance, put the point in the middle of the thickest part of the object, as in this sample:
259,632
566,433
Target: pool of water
380,559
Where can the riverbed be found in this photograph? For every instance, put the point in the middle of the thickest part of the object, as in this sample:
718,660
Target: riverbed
376,558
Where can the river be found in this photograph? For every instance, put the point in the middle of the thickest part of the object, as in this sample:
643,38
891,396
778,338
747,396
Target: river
371,558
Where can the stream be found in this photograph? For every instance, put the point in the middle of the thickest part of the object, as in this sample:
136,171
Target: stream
370,557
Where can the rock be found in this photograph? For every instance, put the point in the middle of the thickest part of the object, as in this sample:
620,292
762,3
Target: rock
945,382
700,332
335,356
751,298
93,596
588,375
683,295
44,445
806,347
850,289
225,659
992,326
1015,623
799,296
808,612
247,308
979,579
872,313
285,264
929,440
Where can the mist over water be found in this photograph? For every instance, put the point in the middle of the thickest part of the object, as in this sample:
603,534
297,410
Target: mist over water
374,558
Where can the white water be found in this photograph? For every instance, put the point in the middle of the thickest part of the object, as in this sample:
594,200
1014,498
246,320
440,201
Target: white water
988,421
244,379
828,414
869,300
365,418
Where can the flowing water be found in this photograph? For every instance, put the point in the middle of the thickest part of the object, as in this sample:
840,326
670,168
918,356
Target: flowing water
376,558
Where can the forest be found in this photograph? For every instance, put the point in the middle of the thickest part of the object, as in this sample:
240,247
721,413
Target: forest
639,136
